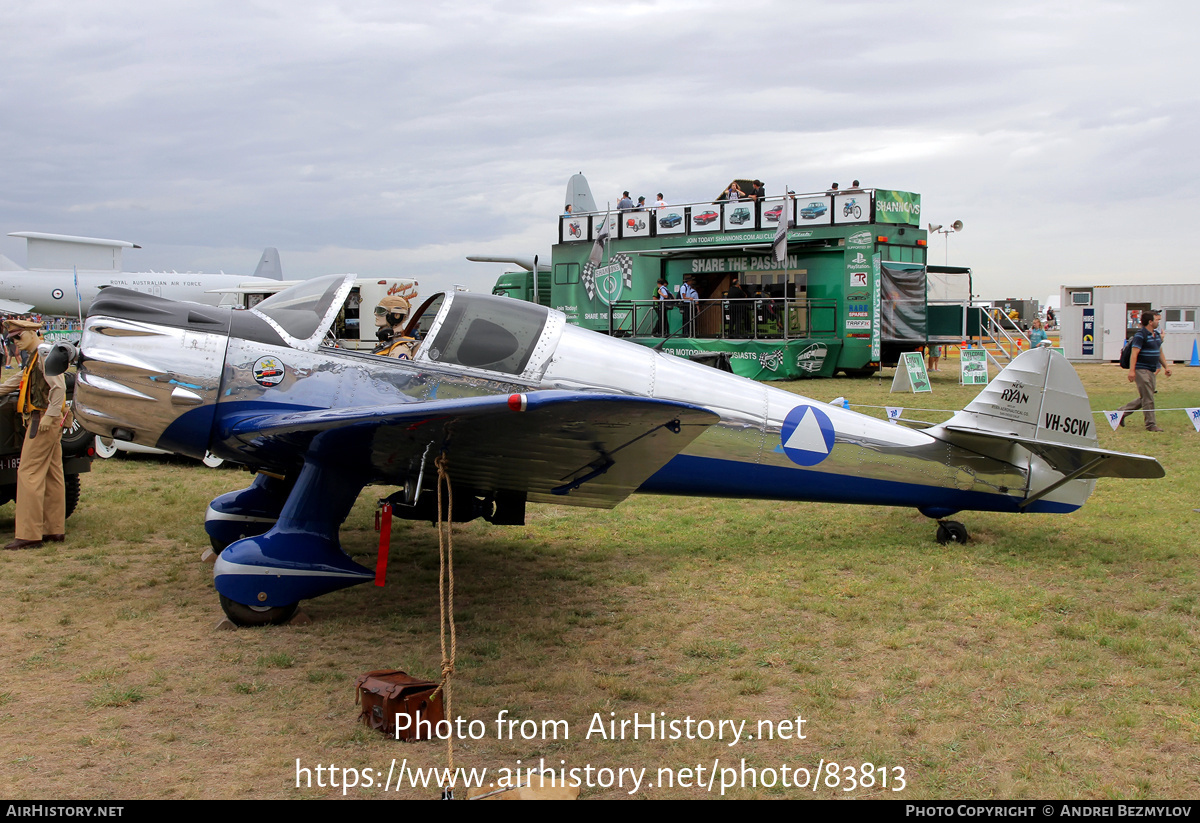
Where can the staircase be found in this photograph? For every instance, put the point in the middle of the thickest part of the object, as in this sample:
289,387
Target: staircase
1001,339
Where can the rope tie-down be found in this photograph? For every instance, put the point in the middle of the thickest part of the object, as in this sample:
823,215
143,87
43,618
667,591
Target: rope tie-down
445,524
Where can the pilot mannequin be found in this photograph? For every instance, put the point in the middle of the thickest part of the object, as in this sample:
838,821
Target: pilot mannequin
390,316
41,489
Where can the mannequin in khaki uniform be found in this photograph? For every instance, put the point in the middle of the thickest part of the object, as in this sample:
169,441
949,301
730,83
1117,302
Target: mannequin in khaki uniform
41,489
390,317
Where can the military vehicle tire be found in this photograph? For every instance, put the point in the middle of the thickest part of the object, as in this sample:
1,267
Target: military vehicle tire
76,439
72,484
8,493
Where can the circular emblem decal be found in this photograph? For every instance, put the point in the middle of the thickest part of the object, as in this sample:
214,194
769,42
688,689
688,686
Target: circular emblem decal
608,286
807,435
268,371
608,282
57,294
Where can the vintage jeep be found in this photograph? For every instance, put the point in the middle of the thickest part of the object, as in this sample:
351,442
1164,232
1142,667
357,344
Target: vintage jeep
77,445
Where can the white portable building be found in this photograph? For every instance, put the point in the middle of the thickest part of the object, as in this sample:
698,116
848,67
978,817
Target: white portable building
1095,321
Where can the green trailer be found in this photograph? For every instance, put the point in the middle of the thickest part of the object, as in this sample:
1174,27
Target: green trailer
849,295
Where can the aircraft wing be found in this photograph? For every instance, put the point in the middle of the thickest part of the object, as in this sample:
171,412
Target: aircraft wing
575,448
15,307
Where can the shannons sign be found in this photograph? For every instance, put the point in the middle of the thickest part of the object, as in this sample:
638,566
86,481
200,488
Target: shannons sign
897,207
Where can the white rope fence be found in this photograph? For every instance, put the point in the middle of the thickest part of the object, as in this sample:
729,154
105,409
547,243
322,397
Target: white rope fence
1113,417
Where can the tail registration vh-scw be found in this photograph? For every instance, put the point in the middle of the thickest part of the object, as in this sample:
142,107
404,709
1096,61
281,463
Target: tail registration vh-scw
516,405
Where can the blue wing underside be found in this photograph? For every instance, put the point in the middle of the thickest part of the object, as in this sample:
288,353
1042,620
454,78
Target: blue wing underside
580,449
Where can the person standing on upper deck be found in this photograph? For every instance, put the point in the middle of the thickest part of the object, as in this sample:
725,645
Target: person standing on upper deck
624,204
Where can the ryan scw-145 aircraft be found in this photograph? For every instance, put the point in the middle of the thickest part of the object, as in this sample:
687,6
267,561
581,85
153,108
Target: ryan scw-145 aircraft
523,407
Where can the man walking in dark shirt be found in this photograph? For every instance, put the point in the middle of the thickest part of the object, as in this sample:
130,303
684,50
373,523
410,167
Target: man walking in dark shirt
1144,359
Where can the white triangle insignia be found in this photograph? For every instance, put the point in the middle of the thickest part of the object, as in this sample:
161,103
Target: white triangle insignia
808,436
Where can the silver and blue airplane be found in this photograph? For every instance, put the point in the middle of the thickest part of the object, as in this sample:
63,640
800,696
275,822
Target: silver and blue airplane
516,406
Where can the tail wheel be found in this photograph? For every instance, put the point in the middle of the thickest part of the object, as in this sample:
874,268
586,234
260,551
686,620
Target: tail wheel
72,488
244,615
105,451
951,531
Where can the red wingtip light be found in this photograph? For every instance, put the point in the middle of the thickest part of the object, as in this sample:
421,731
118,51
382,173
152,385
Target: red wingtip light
517,402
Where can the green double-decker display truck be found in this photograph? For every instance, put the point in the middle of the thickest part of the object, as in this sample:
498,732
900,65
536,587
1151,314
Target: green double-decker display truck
851,294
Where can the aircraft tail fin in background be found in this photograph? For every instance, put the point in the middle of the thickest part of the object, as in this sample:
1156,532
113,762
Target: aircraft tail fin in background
9,265
268,264
1038,403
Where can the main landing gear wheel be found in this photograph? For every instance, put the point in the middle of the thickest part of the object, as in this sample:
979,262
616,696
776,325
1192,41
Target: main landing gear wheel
104,450
244,615
951,531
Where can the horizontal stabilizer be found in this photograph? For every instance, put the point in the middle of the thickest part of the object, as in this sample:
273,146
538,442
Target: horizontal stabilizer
1067,459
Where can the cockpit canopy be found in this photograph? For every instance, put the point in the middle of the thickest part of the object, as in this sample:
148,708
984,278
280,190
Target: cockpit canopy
485,332
303,313
456,328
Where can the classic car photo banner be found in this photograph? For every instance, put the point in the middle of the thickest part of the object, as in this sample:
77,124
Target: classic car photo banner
774,208
739,214
705,218
671,220
813,211
636,223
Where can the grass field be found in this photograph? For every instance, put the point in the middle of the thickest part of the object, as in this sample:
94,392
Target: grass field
1052,657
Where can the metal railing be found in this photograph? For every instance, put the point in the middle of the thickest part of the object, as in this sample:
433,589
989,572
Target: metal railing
752,318
992,324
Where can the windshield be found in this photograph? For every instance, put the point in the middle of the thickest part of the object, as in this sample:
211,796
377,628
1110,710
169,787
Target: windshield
486,332
303,312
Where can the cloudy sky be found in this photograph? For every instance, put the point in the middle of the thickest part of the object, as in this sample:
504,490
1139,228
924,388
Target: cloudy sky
396,138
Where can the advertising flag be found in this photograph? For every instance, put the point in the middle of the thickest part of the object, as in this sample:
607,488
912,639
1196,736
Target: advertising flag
779,243
601,240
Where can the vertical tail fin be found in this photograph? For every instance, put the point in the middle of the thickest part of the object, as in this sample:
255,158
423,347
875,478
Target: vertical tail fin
1038,396
1038,403
268,264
